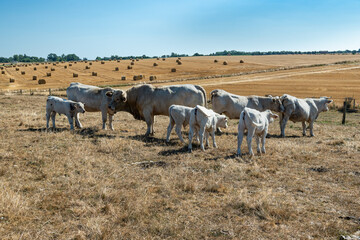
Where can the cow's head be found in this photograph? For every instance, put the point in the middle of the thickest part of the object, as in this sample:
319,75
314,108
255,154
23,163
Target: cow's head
117,96
325,101
277,104
222,121
77,107
271,116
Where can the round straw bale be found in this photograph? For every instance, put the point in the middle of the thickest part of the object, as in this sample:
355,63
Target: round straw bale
70,64
129,67
225,63
163,59
155,64
135,78
241,61
17,69
118,61
75,75
48,74
87,67
2,72
123,78
22,72
90,63
215,61
179,58
35,68
94,73
41,81
179,62
102,62
132,63
137,59
157,58
151,78
12,80
52,69
54,64
117,69
65,67
34,77
173,70
46,67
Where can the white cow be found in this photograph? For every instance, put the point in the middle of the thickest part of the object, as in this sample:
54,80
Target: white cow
257,123
62,106
145,101
302,110
205,120
95,99
232,105
180,116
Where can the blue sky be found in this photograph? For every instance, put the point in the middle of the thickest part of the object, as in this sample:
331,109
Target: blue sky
91,28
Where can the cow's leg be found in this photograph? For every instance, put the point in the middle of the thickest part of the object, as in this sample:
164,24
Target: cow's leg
201,135
104,118
249,137
77,121
213,138
257,138
149,122
152,124
283,125
178,132
206,139
53,114
239,139
111,116
263,139
47,119
304,128
170,127
71,122
311,125
191,133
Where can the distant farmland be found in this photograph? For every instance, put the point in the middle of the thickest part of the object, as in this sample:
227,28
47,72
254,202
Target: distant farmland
300,75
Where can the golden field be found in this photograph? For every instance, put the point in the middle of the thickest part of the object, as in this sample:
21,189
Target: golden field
99,184
299,75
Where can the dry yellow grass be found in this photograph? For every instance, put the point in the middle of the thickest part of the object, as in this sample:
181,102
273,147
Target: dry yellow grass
95,184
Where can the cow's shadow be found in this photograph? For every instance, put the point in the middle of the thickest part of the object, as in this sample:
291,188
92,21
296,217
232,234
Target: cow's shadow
85,132
279,136
44,129
151,140
170,152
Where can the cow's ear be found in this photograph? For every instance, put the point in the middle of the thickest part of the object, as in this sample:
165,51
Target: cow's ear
329,101
72,106
275,116
273,99
109,93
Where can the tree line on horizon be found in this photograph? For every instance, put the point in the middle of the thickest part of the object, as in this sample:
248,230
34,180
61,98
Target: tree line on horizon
52,57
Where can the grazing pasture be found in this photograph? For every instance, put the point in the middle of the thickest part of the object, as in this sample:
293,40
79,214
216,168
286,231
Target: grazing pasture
109,185
99,184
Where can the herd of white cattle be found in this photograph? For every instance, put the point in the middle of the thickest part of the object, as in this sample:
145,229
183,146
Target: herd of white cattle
186,105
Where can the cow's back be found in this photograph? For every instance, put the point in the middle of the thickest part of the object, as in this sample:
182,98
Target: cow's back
159,99
229,104
91,96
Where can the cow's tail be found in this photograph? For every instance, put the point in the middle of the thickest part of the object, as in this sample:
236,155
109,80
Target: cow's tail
203,92
248,115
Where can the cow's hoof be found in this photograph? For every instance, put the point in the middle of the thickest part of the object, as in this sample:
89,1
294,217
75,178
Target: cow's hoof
190,150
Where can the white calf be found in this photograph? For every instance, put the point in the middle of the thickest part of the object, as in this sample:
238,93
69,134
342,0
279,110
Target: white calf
180,116
256,123
62,106
204,120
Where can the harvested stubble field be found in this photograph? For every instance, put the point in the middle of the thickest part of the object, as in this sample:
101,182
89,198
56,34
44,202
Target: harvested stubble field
96,184
299,75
